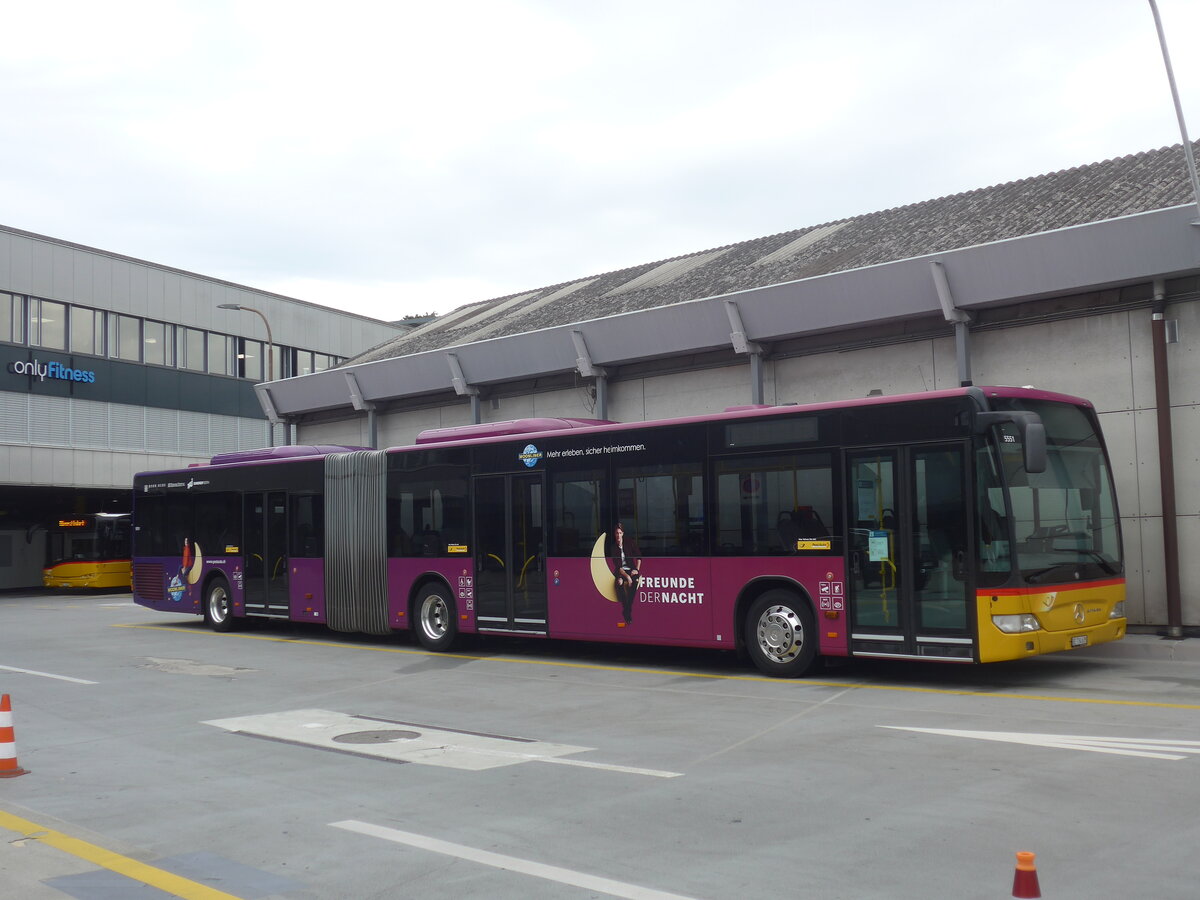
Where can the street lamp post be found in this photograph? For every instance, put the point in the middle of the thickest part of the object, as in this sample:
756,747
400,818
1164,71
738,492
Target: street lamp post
270,373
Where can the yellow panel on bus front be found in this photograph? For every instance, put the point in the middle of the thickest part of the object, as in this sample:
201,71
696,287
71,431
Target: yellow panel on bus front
107,574
1069,618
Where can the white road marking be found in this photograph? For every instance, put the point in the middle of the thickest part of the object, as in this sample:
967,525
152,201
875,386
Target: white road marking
510,863
412,743
1143,747
48,675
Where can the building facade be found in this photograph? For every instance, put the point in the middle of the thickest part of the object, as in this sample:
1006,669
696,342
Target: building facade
111,365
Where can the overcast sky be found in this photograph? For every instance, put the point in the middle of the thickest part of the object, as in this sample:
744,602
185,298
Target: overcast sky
396,158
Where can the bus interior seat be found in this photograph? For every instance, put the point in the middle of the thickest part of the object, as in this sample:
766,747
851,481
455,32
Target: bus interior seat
789,531
808,522
427,543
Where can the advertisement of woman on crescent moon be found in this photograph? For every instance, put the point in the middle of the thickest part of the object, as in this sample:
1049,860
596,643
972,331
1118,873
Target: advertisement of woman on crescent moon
617,569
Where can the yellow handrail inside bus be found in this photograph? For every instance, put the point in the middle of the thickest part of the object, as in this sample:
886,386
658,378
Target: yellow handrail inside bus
886,568
521,580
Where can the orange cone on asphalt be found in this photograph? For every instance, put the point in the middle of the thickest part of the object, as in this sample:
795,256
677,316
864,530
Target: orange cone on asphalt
1025,880
8,743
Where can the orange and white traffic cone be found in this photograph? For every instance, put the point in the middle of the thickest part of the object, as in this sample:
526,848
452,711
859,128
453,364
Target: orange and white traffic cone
8,743
1025,880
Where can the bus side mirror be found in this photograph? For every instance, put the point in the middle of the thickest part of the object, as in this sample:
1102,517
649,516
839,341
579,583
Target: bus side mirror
1033,437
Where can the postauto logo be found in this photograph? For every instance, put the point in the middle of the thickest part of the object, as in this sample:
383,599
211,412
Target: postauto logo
530,455
56,370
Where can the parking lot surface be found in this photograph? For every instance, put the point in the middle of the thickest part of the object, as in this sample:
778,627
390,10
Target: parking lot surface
293,762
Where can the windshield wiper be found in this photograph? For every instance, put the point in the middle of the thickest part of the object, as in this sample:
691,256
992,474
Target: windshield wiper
1096,556
1038,573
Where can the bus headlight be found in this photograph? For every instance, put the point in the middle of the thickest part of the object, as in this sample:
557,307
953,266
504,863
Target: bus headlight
1118,610
1017,624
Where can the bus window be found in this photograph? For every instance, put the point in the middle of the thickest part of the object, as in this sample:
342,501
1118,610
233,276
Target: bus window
577,516
217,524
662,507
151,523
775,505
427,511
308,526
112,537
993,545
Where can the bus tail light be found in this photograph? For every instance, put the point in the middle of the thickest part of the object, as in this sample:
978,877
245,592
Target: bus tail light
1118,610
1017,624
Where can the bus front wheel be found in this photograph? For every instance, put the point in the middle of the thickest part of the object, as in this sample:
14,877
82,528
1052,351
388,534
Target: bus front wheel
436,618
781,634
218,606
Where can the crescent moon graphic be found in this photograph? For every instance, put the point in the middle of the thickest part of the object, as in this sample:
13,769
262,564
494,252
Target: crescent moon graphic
602,576
193,574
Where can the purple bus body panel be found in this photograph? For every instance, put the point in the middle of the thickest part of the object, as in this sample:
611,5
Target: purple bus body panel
173,592
690,602
306,588
458,573
822,577
680,601
578,609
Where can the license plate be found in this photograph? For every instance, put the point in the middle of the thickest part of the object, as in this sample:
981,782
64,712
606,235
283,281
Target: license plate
1080,640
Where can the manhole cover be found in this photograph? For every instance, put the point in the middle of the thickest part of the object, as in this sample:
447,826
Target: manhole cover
376,737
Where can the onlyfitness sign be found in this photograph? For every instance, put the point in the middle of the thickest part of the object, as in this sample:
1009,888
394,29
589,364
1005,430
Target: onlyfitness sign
53,370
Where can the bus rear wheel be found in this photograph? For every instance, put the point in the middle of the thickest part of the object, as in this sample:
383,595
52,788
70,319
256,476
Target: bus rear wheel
436,618
781,634
218,606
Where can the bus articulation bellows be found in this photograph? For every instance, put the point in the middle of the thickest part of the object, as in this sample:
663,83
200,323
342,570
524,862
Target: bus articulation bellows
965,525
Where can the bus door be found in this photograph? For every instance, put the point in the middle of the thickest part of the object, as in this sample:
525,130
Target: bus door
510,553
265,553
909,583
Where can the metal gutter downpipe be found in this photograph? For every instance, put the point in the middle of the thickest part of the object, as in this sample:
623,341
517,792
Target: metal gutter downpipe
743,345
1166,460
960,319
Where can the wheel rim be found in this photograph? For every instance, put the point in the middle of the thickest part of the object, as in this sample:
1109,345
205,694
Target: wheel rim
435,615
780,634
218,604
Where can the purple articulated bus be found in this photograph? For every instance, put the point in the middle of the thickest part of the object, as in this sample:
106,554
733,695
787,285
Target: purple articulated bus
965,525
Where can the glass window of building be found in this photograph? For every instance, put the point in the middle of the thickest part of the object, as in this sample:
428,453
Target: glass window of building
191,349
87,331
12,318
48,324
156,343
249,359
129,338
321,362
220,354
304,363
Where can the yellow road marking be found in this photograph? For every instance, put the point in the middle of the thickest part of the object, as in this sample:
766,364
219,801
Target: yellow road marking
175,885
798,682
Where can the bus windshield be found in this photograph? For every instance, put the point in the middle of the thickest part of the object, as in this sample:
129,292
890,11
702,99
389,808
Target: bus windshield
90,538
1064,520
